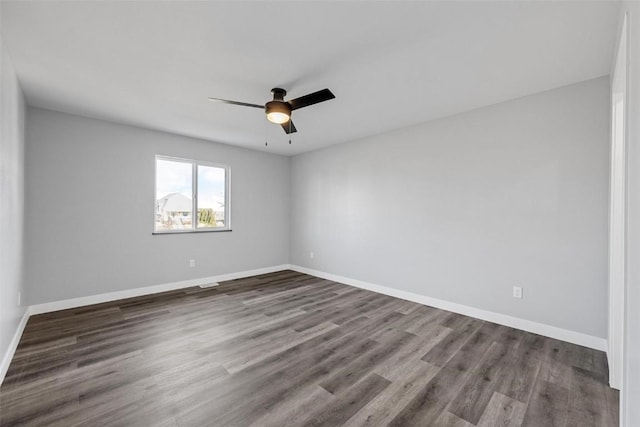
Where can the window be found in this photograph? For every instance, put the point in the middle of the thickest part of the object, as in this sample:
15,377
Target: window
191,196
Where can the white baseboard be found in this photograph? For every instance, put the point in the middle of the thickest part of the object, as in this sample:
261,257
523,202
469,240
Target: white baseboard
573,337
148,290
13,345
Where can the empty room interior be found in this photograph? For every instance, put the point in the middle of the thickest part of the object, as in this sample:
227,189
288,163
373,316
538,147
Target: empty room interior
320,213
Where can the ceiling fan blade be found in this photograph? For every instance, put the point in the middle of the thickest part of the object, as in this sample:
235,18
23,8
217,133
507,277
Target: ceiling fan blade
244,104
312,98
286,128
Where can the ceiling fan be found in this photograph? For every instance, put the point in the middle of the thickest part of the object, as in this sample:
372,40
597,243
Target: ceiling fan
279,111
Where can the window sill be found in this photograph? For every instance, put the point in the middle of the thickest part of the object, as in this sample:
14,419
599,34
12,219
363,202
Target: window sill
157,233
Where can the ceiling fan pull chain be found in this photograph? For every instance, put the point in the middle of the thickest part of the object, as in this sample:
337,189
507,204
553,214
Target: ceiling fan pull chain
266,143
290,130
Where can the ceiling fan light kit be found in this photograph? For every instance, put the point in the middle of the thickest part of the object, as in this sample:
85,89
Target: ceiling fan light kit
277,117
279,111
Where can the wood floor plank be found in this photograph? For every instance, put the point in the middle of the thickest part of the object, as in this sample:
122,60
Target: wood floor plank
448,347
587,400
241,361
548,405
502,411
297,408
349,404
447,419
384,407
286,348
410,354
429,402
519,375
360,367
473,398
613,405
555,367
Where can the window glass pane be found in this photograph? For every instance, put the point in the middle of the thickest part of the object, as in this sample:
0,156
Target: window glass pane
211,197
173,195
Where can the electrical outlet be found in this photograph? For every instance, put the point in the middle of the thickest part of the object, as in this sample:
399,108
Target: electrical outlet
192,263
517,292
311,255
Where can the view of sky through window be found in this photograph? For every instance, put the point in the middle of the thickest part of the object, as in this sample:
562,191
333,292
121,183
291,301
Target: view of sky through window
211,187
173,177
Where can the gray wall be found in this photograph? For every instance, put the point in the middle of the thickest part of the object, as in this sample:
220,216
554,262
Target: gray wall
90,200
465,207
631,371
12,112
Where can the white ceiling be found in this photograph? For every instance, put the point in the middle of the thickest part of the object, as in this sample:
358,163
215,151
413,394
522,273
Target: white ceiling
390,64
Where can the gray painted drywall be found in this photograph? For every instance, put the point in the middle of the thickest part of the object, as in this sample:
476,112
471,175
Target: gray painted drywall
12,113
90,200
465,207
631,371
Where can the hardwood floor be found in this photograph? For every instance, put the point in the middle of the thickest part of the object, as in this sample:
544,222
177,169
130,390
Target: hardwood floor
291,349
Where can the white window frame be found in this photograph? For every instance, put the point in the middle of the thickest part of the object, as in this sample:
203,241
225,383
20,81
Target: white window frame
194,198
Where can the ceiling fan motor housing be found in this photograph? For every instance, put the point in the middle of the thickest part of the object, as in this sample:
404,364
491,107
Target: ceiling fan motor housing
278,94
